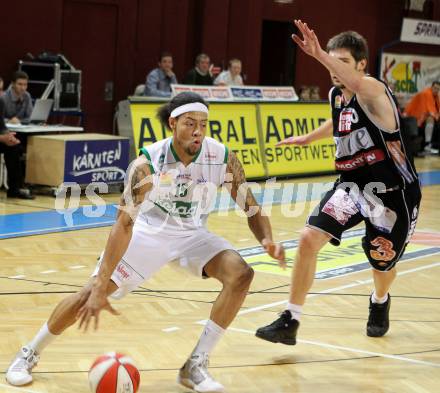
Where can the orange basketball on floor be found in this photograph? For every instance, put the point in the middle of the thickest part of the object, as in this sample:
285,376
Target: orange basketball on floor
114,373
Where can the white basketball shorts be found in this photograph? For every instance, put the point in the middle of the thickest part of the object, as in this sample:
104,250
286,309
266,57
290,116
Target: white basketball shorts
148,252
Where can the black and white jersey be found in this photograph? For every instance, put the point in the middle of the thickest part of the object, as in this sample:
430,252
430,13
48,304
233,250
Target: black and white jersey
365,151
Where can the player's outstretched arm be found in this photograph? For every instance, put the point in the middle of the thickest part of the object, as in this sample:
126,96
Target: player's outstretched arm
366,87
258,223
325,130
138,185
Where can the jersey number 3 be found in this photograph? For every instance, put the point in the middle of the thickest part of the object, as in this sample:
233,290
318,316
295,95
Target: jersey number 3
384,250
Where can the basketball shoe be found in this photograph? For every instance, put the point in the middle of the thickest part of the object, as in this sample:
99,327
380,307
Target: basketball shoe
379,318
283,330
20,371
194,375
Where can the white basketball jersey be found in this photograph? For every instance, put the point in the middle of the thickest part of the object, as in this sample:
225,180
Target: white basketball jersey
182,197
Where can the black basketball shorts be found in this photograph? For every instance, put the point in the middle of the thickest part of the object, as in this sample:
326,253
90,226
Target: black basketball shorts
390,219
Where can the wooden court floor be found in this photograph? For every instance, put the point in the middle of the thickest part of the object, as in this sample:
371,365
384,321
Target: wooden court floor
158,325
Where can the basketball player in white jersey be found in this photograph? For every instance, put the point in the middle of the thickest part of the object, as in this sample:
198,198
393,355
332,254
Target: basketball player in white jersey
162,217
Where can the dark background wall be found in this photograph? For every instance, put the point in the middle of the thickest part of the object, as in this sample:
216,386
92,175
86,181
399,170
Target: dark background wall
118,41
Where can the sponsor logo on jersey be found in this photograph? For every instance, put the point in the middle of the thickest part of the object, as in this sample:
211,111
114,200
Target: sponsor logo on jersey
340,206
185,176
349,145
177,208
346,118
210,156
338,102
360,160
122,271
384,222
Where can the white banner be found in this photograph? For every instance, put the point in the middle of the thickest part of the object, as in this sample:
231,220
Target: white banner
210,93
420,31
408,74
240,93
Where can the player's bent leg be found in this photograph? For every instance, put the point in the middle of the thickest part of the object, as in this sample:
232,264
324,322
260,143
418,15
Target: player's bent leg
64,315
236,276
284,329
232,271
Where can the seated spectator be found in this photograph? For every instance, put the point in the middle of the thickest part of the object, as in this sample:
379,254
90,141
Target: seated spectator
2,90
425,107
304,93
159,80
231,76
201,73
11,149
18,102
315,93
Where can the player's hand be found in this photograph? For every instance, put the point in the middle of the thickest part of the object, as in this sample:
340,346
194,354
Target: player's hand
294,140
14,120
310,43
96,302
276,251
9,139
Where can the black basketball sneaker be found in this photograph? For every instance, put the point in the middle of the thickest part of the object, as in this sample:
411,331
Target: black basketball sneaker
379,318
283,330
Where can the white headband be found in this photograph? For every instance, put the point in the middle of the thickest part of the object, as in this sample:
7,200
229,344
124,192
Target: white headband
192,107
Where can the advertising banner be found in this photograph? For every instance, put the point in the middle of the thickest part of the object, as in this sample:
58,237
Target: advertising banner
235,125
280,121
408,74
251,130
420,31
88,161
220,93
240,93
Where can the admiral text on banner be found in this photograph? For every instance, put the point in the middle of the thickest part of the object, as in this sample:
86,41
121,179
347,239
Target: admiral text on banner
235,125
280,121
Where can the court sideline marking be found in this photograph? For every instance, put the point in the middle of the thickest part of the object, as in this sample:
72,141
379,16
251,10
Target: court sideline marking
330,290
355,350
325,345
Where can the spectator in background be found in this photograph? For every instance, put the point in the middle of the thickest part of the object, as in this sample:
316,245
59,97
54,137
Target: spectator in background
2,85
231,76
18,102
425,107
159,80
304,93
315,93
201,73
11,149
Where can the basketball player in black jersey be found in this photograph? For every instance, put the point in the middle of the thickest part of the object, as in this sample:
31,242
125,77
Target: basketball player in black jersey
377,182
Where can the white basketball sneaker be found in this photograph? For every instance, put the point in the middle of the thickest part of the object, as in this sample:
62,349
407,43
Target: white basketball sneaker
194,375
20,371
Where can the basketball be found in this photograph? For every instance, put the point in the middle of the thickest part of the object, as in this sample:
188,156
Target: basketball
114,372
